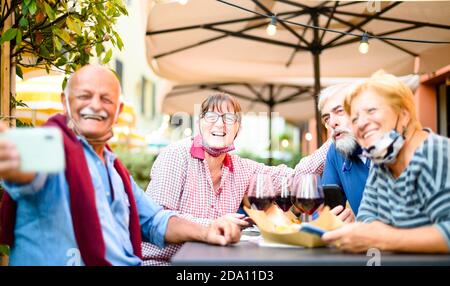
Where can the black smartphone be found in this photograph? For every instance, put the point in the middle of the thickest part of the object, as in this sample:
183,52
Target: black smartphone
333,196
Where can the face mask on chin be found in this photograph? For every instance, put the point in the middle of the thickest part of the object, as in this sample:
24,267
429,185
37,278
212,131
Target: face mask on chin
386,149
214,151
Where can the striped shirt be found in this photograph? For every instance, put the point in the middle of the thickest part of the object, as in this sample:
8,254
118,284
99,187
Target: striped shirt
420,196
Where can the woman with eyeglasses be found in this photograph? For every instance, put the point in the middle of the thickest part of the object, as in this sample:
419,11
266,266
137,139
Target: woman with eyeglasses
198,178
406,200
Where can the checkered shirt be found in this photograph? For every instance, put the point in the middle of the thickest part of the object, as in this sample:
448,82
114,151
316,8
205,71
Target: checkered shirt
181,182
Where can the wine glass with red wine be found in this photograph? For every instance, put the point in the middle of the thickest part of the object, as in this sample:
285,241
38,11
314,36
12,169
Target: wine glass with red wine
261,194
307,194
283,194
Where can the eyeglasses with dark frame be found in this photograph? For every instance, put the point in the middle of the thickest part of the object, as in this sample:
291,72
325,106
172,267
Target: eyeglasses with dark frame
227,118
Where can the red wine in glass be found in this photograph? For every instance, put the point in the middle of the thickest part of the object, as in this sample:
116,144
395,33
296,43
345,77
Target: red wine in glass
307,206
308,194
261,203
283,194
284,203
260,191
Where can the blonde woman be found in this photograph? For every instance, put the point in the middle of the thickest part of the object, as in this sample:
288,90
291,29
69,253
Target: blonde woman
406,201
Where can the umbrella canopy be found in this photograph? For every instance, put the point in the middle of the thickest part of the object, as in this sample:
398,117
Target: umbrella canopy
194,43
209,41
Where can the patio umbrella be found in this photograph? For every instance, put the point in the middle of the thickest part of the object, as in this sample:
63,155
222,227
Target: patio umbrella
211,41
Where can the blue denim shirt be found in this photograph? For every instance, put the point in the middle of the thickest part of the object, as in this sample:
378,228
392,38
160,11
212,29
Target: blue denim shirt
44,232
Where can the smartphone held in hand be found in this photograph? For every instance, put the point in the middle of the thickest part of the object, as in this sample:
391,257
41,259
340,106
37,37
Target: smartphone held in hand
334,196
40,149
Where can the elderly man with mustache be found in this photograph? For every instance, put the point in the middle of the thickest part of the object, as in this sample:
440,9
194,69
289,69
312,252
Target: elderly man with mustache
345,165
93,213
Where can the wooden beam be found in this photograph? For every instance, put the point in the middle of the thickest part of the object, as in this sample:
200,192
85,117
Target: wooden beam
5,70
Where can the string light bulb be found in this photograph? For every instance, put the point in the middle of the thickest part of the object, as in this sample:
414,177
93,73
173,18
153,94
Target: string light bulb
364,44
272,27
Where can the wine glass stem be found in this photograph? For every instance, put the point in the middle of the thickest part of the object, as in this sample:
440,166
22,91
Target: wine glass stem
306,217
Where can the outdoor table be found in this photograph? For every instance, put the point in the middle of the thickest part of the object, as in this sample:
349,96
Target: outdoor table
247,253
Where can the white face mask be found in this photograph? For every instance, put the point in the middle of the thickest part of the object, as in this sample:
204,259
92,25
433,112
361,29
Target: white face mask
385,150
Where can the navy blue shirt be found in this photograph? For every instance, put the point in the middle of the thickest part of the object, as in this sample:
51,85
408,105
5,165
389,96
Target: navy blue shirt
348,173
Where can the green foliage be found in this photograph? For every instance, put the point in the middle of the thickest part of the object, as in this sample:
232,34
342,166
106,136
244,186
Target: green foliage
138,164
4,250
290,163
61,34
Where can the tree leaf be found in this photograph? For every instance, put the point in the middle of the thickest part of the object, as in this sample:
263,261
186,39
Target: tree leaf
19,72
119,40
64,83
8,35
57,43
62,34
107,56
32,7
99,49
25,8
49,11
79,24
23,22
61,61
44,51
18,37
73,26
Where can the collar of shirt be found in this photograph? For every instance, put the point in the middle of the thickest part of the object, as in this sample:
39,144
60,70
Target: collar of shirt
348,162
198,152
109,156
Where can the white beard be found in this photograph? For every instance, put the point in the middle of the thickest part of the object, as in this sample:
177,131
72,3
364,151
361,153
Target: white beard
346,145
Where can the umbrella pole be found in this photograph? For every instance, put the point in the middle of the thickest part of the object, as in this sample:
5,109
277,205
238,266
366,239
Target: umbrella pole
271,104
269,160
316,60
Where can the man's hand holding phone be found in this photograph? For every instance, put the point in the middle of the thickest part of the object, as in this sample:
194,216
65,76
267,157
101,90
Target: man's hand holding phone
26,151
344,214
10,161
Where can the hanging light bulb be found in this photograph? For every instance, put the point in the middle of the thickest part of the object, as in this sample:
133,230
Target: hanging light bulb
364,45
272,27
183,2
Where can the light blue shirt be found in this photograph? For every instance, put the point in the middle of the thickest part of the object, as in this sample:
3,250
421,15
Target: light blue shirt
44,232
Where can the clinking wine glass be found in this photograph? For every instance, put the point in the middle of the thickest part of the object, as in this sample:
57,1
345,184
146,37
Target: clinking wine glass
307,194
283,194
260,193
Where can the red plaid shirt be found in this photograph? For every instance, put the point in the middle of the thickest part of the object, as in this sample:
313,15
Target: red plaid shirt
181,181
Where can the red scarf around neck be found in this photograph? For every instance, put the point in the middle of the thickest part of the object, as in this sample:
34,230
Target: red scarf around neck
86,223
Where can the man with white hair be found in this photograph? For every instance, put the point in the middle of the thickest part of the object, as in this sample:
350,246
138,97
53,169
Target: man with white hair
345,165
93,213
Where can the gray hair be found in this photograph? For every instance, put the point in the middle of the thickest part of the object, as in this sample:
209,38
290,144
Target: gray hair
332,90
